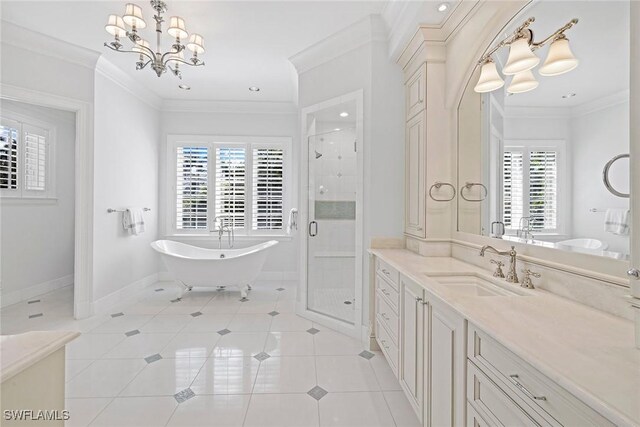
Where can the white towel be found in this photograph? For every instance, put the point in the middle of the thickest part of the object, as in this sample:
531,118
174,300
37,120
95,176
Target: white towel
293,220
133,221
616,221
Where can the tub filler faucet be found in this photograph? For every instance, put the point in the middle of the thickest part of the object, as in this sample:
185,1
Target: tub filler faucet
512,275
222,228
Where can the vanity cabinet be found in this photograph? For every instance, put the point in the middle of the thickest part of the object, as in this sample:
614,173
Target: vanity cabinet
415,176
413,331
387,318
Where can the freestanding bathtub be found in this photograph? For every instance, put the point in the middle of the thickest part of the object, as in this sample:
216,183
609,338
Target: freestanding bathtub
194,266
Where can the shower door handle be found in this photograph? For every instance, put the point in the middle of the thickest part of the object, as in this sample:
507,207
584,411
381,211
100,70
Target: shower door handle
313,229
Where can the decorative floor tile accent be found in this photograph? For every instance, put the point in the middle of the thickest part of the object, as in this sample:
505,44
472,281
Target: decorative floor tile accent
176,300
184,395
366,354
317,392
313,331
224,332
196,314
33,301
273,313
262,356
117,314
35,315
280,289
153,358
132,333
159,289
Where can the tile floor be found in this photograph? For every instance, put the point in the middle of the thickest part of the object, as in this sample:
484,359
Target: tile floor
212,360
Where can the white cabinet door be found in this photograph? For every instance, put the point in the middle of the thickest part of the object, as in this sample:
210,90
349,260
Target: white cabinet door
447,400
415,176
416,91
412,343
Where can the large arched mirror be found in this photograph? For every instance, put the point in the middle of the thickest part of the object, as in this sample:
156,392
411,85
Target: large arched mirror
530,164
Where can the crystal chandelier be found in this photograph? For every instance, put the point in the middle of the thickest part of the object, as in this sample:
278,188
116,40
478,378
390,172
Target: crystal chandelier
158,61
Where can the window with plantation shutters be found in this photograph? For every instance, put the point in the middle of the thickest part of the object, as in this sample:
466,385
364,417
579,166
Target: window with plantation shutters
531,186
8,158
26,152
230,180
192,182
268,189
239,182
35,159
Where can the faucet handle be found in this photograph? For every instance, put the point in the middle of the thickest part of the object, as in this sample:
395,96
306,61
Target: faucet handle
526,282
498,272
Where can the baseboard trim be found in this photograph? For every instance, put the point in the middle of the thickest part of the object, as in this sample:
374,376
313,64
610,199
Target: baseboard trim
124,294
36,290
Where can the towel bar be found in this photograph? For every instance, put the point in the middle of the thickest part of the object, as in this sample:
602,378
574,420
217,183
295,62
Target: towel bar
468,187
437,186
605,176
111,210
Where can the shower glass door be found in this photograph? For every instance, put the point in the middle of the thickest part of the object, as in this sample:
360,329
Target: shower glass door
331,242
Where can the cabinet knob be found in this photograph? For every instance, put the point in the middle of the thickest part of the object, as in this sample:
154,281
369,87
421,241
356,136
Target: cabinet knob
418,299
634,273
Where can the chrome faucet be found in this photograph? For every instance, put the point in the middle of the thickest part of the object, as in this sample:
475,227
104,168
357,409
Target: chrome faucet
512,275
221,230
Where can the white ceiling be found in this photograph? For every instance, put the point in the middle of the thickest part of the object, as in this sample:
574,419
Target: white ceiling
600,41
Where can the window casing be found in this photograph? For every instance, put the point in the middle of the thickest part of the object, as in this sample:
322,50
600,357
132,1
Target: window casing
243,180
533,184
27,159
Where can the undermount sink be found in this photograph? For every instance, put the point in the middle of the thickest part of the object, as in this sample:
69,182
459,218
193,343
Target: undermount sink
474,286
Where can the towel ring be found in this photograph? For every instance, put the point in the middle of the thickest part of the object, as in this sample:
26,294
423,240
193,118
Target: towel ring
468,186
437,186
605,176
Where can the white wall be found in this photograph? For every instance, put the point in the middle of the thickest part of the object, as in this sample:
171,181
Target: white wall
38,235
127,144
368,68
597,137
229,120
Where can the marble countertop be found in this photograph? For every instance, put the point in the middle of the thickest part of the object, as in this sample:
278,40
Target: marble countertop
588,352
18,352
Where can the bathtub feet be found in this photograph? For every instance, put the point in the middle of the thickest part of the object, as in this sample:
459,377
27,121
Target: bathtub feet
221,288
245,291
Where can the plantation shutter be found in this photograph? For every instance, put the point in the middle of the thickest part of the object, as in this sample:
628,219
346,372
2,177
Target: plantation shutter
8,158
192,177
513,189
543,190
35,159
267,196
230,185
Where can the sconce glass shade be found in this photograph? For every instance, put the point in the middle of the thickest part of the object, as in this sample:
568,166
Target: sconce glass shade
196,43
139,43
490,79
560,59
115,26
177,28
523,82
133,16
521,58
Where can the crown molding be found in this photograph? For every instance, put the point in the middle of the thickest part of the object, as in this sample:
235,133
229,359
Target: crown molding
601,103
523,112
233,107
369,29
107,69
23,38
405,42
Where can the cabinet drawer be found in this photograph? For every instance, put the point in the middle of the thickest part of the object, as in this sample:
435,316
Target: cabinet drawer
384,287
389,349
387,316
391,274
474,419
494,404
416,91
521,379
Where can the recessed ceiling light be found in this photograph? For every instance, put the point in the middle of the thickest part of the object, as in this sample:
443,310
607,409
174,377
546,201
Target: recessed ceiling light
344,114
443,6
184,86
569,95
254,89
336,129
